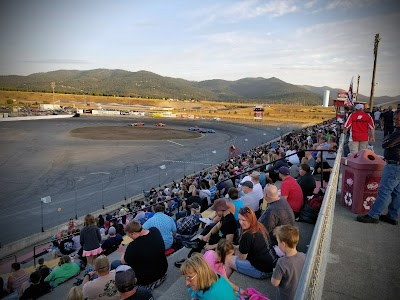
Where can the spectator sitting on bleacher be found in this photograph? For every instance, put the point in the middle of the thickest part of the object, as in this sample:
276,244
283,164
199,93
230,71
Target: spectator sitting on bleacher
256,256
76,239
41,264
205,192
279,161
185,204
211,234
289,267
17,277
291,190
185,225
37,288
112,242
125,282
64,271
249,199
322,167
203,282
218,258
100,221
145,255
234,203
71,225
123,218
164,223
278,211
102,287
212,189
306,181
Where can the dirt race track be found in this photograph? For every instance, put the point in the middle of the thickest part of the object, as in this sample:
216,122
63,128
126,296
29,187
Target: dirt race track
131,133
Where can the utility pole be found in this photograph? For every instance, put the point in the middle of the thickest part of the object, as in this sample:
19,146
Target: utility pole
358,84
53,85
371,98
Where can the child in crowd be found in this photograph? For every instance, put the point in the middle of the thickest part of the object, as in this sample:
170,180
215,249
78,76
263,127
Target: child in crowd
216,260
288,268
41,264
90,240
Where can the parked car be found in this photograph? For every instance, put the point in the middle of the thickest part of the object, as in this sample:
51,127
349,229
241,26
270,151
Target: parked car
159,124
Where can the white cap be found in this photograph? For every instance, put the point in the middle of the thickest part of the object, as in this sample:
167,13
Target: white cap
359,106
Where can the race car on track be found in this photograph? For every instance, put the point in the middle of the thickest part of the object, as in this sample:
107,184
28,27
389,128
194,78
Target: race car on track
194,128
159,124
210,130
136,124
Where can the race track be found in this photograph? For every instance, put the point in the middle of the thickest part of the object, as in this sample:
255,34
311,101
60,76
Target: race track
39,158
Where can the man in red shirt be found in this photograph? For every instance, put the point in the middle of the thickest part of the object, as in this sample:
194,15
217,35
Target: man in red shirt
291,190
361,127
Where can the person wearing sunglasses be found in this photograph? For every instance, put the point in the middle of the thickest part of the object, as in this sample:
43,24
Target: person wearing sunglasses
203,283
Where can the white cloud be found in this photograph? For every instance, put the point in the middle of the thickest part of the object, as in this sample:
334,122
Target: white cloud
251,9
336,4
310,4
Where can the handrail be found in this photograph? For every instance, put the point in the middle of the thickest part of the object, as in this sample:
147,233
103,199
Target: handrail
8,256
312,277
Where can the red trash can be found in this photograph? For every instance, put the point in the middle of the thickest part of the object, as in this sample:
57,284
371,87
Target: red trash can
361,176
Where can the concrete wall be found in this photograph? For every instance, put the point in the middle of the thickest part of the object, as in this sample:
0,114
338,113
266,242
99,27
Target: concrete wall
106,112
30,118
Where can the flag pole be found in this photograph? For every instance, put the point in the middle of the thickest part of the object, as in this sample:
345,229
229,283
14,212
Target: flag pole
358,84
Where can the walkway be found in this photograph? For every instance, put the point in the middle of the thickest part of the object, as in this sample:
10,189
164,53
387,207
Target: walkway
364,258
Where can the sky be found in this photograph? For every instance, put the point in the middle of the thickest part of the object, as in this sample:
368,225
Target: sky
310,42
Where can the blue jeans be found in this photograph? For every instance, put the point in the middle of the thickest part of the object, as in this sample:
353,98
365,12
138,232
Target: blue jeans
246,268
388,193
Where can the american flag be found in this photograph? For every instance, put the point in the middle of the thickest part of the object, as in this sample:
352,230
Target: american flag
349,99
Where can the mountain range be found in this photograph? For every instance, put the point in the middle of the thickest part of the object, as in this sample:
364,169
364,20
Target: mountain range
146,84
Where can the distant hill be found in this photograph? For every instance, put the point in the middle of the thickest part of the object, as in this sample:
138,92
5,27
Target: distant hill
150,85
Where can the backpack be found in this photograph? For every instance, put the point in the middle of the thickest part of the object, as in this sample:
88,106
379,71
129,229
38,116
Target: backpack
309,212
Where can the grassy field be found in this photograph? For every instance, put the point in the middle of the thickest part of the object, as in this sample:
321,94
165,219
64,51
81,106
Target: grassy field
274,113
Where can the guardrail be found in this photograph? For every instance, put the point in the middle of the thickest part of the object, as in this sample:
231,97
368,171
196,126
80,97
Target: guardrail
312,278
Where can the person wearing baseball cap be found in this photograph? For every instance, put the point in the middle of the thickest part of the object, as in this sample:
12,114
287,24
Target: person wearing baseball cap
186,225
125,282
226,228
362,129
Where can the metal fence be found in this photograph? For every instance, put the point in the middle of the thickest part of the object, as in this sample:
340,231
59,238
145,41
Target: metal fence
312,278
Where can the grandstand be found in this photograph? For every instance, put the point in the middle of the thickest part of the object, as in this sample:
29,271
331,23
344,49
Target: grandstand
345,259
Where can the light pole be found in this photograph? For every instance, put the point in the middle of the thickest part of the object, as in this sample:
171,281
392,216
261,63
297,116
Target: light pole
53,85
43,200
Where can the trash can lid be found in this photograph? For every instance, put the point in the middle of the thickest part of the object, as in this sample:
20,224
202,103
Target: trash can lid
364,160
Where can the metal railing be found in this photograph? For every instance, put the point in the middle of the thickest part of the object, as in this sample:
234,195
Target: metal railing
312,278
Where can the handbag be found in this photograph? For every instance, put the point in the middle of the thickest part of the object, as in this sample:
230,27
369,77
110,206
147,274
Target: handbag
253,294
